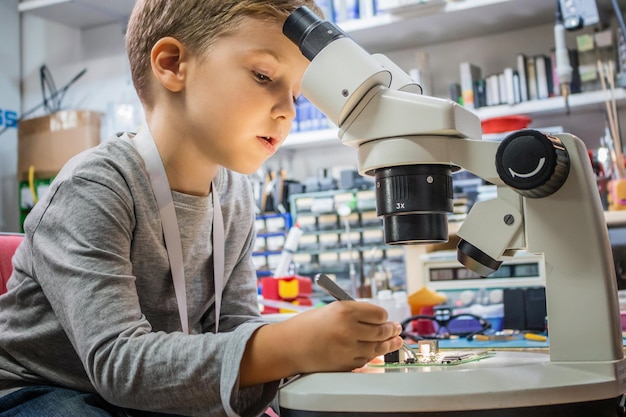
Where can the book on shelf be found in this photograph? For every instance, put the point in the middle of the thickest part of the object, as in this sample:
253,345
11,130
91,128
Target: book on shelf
502,87
469,74
345,10
531,78
455,93
556,84
480,93
517,92
537,77
522,64
543,68
367,9
493,90
511,86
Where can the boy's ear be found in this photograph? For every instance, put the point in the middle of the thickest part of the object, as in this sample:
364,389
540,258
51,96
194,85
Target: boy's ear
168,63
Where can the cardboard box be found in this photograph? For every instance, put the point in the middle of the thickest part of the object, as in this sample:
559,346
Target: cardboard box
48,142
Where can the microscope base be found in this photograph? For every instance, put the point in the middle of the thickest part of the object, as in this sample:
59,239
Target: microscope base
507,384
601,408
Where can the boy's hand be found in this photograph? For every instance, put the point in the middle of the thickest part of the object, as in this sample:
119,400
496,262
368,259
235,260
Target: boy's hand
341,336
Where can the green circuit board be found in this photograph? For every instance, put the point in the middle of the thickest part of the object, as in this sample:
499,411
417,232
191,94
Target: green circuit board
443,358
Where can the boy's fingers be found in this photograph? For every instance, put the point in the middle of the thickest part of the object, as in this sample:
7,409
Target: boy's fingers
370,350
378,332
370,313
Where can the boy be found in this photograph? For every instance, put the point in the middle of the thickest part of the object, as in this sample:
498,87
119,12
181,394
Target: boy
134,287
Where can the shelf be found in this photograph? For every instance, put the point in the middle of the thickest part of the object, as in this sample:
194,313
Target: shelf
579,102
354,229
365,247
79,13
456,20
267,253
324,250
309,213
271,234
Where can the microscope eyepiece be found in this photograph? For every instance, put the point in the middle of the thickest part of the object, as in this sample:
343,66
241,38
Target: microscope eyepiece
299,24
310,32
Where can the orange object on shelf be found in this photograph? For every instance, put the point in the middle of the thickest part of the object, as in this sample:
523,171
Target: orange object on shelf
505,124
425,297
292,289
617,195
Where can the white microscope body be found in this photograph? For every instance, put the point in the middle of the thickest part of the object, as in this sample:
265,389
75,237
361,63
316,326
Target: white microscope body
547,203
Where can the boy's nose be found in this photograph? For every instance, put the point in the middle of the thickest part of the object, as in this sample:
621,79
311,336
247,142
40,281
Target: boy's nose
285,107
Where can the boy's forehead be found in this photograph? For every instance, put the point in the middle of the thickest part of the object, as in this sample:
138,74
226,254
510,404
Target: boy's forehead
251,25
264,37
268,51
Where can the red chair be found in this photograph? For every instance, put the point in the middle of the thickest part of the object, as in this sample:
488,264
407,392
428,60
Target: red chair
8,244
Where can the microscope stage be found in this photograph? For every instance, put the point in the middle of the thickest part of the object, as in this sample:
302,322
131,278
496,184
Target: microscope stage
505,381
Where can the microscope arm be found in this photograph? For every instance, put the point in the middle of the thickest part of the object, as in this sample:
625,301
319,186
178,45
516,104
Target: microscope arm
554,210
569,228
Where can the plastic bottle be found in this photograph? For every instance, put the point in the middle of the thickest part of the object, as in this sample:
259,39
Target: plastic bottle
403,310
384,298
289,248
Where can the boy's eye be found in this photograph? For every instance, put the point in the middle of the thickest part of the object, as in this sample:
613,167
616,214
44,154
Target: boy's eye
261,77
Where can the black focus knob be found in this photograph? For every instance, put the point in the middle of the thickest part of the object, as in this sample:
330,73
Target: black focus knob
533,163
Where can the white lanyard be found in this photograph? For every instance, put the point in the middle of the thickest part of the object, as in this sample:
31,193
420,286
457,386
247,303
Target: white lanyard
146,147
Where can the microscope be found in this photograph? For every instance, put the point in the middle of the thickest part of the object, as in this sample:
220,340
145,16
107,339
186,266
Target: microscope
547,203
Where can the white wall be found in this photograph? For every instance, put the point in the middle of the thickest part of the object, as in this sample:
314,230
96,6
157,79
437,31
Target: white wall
67,51
9,101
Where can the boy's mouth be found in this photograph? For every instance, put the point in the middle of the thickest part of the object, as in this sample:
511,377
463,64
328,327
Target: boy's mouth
268,139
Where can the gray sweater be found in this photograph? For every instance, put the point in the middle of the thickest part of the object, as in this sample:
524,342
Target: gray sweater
91,304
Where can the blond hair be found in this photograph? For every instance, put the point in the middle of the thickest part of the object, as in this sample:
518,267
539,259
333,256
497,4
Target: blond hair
194,23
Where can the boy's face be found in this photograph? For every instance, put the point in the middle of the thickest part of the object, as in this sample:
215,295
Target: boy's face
239,101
